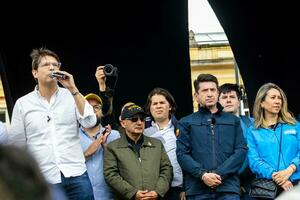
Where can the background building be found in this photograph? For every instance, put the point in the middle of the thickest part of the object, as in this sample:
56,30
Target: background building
211,53
3,111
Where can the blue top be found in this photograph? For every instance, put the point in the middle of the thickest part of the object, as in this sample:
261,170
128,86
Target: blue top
263,151
3,133
244,128
95,165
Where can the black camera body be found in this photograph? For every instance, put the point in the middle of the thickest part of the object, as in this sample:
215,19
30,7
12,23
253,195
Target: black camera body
111,74
110,70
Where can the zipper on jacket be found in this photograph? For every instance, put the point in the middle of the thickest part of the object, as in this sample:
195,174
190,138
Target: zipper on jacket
213,144
139,156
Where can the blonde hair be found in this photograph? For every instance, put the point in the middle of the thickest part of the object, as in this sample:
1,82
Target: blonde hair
284,115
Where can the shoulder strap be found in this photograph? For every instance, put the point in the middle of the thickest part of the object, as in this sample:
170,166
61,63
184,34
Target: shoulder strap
246,120
279,147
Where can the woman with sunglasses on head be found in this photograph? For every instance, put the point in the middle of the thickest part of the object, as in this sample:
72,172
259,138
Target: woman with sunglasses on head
274,139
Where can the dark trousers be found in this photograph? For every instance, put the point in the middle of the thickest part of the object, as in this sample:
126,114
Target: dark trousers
215,196
173,193
78,187
245,189
245,180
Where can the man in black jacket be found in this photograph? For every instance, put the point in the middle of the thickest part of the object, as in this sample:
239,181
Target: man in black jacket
211,147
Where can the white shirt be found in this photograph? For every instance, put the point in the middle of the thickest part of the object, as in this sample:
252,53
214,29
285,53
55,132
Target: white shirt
50,131
168,138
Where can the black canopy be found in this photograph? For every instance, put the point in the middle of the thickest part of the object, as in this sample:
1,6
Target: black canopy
148,41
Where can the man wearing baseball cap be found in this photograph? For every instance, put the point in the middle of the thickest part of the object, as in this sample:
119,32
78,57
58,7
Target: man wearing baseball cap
93,141
136,166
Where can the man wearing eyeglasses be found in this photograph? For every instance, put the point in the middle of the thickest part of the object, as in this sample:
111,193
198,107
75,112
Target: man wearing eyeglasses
46,122
137,166
93,141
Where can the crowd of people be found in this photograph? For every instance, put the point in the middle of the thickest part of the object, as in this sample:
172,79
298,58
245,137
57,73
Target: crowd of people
65,145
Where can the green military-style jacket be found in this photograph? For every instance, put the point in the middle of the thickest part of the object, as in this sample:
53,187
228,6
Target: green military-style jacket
127,172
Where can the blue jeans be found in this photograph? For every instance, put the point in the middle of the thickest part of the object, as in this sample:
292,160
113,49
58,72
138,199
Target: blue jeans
215,196
57,192
78,187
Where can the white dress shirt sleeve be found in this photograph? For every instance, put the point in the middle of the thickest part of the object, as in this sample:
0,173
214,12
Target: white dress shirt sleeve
88,119
17,133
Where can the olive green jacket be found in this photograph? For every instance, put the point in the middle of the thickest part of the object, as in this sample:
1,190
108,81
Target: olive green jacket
126,173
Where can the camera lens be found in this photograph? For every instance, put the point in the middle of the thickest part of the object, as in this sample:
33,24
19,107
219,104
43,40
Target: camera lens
108,69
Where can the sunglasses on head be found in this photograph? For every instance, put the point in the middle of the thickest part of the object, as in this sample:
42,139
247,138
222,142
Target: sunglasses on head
135,119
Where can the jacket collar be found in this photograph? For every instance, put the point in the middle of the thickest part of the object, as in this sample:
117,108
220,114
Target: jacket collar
123,142
205,110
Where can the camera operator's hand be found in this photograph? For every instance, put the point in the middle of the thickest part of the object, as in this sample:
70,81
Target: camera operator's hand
101,78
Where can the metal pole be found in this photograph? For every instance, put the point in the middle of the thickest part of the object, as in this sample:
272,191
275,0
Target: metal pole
237,81
236,72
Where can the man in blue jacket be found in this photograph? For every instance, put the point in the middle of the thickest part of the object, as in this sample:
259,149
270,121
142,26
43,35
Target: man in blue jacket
229,97
211,147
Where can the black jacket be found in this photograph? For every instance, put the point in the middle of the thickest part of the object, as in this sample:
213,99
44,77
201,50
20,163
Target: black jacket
210,143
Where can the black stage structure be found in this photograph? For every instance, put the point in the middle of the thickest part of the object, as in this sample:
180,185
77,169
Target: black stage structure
265,41
149,43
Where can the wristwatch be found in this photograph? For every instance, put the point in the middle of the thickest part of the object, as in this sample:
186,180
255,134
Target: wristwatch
75,92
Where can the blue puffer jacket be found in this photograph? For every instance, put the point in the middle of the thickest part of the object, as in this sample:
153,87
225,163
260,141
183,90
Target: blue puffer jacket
210,143
263,152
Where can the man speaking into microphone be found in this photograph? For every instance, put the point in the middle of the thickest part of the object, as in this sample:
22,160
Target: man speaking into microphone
45,121
211,147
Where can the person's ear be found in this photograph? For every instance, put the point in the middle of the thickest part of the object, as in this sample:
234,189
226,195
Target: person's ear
195,95
34,73
123,123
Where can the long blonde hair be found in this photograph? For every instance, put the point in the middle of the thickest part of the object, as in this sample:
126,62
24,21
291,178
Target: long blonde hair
284,115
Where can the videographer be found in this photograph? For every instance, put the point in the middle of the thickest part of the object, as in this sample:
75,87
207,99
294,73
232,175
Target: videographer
106,93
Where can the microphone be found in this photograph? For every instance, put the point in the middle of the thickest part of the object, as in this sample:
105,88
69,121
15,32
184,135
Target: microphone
48,118
211,121
58,75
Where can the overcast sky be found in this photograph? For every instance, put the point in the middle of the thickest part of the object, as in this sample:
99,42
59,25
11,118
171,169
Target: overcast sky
202,18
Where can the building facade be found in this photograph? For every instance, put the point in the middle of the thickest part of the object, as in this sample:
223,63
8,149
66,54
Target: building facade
3,109
211,53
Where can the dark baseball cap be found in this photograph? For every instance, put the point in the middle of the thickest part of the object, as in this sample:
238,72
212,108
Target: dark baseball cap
131,110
